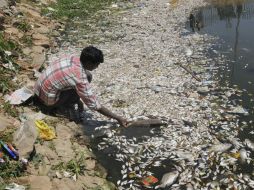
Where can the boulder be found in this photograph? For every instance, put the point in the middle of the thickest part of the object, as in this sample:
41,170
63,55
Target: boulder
4,122
3,3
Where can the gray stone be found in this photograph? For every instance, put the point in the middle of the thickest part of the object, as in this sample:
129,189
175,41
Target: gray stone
4,123
63,132
3,3
40,183
64,149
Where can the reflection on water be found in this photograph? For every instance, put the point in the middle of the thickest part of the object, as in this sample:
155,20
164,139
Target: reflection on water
233,23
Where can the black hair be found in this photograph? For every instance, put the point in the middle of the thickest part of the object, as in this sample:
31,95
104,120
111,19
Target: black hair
91,54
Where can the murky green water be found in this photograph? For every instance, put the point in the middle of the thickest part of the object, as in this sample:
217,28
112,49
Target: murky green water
233,24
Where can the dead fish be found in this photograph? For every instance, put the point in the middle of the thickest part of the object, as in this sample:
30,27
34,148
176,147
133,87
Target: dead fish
185,155
249,144
220,147
243,155
168,179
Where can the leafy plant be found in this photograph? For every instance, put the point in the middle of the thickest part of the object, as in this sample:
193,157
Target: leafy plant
27,40
74,166
80,8
10,169
23,26
10,109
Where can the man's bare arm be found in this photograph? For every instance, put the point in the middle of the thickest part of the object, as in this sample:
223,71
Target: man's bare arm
106,112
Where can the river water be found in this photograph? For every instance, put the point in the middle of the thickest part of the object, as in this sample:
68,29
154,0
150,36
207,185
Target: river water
233,23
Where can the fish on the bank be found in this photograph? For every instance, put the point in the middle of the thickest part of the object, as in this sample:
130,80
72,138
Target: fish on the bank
220,147
168,179
249,144
243,155
185,155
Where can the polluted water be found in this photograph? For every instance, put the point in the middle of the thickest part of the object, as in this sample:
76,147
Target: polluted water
166,63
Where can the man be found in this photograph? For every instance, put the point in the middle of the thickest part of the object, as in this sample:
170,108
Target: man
66,82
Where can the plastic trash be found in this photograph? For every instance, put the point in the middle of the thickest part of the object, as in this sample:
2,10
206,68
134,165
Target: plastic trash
14,186
9,151
149,180
19,96
45,132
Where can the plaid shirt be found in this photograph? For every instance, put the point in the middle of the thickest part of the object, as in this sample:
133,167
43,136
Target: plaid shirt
62,74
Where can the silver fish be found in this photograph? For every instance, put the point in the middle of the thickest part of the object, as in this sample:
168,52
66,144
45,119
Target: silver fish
220,147
249,144
168,179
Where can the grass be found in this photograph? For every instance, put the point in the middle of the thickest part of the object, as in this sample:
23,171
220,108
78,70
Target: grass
10,109
10,169
23,26
74,166
7,134
6,74
79,8
27,40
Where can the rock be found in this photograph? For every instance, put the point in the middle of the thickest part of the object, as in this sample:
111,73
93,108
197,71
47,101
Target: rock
41,40
101,171
4,122
44,169
3,3
65,184
47,152
63,132
64,149
40,183
38,59
36,182
29,11
11,31
42,30
27,51
38,49
43,43
25,137
37,36
90,164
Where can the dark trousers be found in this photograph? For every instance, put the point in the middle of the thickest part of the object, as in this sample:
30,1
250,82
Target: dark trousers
67,100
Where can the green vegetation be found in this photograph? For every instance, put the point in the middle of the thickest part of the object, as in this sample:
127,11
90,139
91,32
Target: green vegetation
10,169
27,40
6,74
74,166
10,109
23,26
7,134
78,8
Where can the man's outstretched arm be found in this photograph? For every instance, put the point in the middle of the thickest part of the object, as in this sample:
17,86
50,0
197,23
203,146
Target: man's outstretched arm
104,111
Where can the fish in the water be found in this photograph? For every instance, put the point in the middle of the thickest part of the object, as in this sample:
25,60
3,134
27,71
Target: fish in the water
220,147
168,179
249,144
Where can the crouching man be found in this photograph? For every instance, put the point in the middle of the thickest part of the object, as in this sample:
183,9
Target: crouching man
65,85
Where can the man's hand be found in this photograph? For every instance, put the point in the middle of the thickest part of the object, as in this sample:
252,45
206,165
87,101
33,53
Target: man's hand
123,122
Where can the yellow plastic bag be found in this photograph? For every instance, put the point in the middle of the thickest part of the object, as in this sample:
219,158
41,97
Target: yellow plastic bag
45,132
